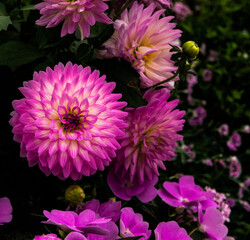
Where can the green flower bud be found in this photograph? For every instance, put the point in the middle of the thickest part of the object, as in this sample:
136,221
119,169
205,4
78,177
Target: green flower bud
74,194
191,49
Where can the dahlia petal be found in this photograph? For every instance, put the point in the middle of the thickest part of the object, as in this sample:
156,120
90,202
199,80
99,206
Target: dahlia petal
67,169
42,123
73,149
53,148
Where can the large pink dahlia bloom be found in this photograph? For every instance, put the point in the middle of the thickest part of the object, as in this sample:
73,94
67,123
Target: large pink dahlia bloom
142,38
151,136
69,121
75,13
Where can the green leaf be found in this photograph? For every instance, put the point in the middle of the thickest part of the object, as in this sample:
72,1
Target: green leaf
28,7
15,54
3,11
4,22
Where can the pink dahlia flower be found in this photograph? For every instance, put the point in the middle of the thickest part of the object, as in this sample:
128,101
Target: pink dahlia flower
5,210
132,224
69,121
142,38
151,136
185,194
76,14
170,231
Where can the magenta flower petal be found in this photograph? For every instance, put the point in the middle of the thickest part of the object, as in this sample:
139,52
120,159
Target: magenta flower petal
75,236
5,210
132,224
50,236
211,223
170,231
73,14
69,121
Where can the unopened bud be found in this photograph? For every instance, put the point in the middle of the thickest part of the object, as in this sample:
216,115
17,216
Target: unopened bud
74,194
191,49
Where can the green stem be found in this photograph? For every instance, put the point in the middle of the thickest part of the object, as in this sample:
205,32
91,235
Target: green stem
124,7
194,230
164,81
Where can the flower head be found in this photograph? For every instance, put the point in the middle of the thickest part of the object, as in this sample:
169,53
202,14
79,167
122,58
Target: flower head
207,75
132,224
74,13
186,193
74,194
142,38
191,49
151,136
234,142
211,222
198,116
170,231
234,167
223,129
181,10
5,210
69,121
124,188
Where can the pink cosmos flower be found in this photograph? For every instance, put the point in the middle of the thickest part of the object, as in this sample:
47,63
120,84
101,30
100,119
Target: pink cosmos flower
132,224
123,188
69,121
79,14
198,116
223,129
234,142
211,222
87,221
234,167
5,210
186,193
170,231
181,10
151,136
207,75
47,237
142,38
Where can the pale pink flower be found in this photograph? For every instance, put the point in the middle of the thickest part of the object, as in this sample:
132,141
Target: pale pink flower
223,129
142,38
75,14
246,129
69,121
151,136
5,210
181,10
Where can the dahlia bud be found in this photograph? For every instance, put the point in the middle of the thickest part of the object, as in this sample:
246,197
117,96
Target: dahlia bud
74,194
191,49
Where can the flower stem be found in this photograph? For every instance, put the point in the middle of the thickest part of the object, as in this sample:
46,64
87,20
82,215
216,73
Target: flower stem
124,7
194,230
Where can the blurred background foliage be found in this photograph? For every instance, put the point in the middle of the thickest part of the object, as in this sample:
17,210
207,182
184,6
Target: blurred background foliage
221,26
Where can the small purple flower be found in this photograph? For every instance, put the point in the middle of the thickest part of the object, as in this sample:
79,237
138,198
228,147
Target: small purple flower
198,116
181,10
234,142
207,75
208,162
213,56
185,194
123,188
223,129
50,236
246,129
132,224
245,205
230,202
211,223
170,231
234,167
191,81
5,210
187,150
244,187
